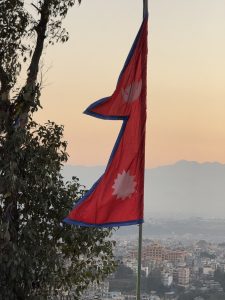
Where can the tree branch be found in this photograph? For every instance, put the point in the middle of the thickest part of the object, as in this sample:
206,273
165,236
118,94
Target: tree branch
36,7
5,86
41,29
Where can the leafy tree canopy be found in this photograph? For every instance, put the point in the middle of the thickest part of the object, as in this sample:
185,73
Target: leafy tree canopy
39,255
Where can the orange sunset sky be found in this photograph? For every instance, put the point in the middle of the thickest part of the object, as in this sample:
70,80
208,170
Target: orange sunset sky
186,78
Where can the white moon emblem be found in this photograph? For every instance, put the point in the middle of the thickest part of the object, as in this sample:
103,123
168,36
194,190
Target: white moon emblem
132,91
124,185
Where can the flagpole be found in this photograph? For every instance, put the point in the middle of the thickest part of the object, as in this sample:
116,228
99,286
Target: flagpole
145,8
139,262
138,288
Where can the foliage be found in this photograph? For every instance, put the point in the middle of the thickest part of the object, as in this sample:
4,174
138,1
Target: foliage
154,282
13,24
207,255
39,255
219,276
209,295
123,272
124,280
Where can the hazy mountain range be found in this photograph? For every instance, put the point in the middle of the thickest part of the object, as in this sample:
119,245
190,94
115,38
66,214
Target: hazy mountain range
183,189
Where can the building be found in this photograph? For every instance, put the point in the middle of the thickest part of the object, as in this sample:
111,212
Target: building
175,256
113,296
153,252
158,253
167,278
96,291
183,278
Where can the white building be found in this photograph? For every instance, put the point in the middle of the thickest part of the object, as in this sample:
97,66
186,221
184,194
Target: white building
167,278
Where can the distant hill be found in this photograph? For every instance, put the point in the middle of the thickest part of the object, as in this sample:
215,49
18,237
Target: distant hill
183,189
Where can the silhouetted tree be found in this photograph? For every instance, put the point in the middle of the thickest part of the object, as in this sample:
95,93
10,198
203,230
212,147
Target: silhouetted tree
39,255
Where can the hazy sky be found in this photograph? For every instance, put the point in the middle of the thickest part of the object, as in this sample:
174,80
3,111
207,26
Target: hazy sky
186,78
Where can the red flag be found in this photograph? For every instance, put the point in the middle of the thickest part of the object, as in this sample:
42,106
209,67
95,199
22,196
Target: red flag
116,199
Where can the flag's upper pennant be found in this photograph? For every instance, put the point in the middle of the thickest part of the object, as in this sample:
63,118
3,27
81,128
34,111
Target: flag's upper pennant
117,197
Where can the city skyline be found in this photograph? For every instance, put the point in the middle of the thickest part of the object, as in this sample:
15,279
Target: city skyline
185,79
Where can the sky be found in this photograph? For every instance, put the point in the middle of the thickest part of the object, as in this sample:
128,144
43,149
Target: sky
186,74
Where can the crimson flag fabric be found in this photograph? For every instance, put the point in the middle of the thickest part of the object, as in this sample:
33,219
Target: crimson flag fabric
116,199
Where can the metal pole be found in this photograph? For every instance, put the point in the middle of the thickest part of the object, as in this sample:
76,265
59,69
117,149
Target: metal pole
145,13
145,8
139,263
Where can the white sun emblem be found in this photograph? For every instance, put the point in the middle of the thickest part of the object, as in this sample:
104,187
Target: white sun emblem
124,185
132,91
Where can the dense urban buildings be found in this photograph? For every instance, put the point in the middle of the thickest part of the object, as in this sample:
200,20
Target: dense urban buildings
170,270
